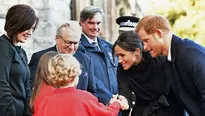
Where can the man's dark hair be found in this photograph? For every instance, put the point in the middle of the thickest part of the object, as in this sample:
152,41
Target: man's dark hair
89,12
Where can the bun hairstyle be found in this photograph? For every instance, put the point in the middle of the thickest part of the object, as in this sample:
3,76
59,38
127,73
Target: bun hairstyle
63,68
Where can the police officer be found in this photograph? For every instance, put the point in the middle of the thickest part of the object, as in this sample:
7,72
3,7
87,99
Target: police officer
127,23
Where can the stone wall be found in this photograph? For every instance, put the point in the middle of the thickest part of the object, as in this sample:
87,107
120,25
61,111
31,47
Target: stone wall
54,12
51,13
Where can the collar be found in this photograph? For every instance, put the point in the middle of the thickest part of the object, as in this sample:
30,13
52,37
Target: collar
57,48
101,43
90,40
169,57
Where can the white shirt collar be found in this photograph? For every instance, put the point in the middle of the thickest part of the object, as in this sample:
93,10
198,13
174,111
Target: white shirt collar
169,57
90,40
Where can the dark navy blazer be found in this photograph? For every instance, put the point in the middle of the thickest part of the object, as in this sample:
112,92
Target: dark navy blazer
187,74
86,79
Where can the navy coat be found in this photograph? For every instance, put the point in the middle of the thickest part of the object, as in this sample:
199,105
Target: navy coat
86,79
104,67
187,74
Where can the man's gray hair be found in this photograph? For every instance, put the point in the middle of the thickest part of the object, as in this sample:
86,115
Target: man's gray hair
72,27
89,12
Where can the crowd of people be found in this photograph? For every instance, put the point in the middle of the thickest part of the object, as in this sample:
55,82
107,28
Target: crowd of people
148,71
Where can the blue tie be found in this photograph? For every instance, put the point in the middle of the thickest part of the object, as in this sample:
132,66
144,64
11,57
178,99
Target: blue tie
96,45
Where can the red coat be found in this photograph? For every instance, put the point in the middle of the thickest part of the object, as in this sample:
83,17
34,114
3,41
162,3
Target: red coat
44,91
73,102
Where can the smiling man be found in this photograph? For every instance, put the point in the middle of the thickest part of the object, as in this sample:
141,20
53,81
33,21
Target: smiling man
100,52
67,41
185,67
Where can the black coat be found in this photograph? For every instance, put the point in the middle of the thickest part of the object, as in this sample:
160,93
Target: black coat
187,74
14,80
86,79
153,94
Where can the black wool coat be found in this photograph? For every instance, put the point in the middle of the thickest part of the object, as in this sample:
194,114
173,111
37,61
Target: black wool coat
147,80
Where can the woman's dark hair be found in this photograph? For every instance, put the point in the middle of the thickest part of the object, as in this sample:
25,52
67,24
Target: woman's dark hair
128,41
18,19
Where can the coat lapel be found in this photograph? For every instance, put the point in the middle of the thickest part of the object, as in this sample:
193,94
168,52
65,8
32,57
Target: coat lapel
53,49
89,47
105,49
173,48
176,80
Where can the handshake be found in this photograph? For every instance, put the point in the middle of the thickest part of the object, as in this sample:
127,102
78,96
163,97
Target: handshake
120,99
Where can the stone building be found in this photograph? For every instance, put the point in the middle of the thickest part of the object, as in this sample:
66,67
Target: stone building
54,12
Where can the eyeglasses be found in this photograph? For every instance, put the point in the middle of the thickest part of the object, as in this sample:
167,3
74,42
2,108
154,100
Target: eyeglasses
68,43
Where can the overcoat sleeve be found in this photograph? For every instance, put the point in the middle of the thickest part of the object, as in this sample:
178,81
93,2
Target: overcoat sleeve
123,85
7,107
195,66
28,89
92,86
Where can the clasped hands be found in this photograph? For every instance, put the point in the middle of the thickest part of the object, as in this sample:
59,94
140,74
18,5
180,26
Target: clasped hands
120,99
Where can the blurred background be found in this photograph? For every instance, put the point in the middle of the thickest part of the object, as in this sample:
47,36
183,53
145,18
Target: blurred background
186,17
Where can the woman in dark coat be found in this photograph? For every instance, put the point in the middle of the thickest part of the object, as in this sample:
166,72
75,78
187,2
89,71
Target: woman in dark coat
138,72
15,91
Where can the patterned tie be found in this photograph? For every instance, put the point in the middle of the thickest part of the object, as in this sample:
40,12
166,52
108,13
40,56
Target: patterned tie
96,45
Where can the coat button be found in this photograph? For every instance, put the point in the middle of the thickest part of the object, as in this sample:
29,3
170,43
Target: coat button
133,102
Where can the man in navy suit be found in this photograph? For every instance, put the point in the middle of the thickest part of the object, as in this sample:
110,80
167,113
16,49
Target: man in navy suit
67,40
186,61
